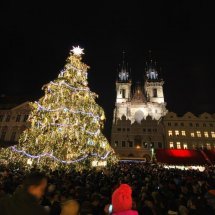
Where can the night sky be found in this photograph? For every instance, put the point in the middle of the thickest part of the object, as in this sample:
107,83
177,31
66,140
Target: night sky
36,39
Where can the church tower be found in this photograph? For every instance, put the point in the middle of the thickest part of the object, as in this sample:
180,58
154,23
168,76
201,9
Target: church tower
123,83
153,83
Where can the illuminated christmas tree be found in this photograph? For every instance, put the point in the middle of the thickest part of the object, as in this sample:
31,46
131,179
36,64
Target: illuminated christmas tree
65,124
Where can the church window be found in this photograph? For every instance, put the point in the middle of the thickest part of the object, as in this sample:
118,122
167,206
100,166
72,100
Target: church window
123,143
177,132
206,134
169,123
198,134
171,145
176,124
128,129
118,129
122,91
183,133
204,125
178,145
211,125
185,145
144,130
191,124
149,130
123,129
182,124
197,124
155,93
170,133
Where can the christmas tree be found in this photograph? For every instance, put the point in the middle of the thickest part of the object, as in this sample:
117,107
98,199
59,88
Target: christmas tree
65,123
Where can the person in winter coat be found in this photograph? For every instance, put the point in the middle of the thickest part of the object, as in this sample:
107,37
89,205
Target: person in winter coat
25,200
122,201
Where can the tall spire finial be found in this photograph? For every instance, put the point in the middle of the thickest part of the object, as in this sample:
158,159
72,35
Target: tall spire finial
123,56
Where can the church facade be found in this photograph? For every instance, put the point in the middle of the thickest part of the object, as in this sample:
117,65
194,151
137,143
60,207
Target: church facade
137,129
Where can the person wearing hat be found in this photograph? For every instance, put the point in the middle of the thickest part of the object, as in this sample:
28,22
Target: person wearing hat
122,201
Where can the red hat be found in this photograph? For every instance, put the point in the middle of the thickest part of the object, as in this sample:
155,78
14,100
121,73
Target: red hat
121,198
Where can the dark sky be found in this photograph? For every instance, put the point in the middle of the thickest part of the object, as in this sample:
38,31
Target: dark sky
36,39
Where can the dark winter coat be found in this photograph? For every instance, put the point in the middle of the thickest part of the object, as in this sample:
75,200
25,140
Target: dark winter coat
21,203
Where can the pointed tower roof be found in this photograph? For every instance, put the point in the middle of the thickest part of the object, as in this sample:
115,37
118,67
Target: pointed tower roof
151,69
123,71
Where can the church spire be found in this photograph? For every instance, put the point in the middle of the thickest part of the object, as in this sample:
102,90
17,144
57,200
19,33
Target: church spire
123,73
151,70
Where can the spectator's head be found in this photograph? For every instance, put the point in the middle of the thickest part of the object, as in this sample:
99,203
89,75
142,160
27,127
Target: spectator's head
35,184
121,198
70,207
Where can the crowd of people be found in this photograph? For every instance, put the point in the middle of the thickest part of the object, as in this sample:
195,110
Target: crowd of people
125,189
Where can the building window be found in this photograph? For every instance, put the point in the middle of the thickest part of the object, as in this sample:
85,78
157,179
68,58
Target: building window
118,129
144,130
208,145
198,134
18,118
211,125
171,145
13,136
116,143
123,129
169,123
130,144
155,93
204,125
1,118
192,134
123,143
3,134
178,145
212,134
155,129
128,129
185,145
122,91
170,133
176,132
7,118
176,124
25,118
206,134
183,133
182,124
197,124
152,145
191,124
149,130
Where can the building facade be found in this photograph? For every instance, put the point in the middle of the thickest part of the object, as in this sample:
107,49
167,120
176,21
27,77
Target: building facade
137,128
13,121
189,131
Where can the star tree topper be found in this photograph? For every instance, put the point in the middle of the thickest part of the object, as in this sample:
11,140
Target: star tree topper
77,50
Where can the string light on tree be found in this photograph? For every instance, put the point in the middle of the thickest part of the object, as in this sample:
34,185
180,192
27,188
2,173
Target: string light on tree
65,124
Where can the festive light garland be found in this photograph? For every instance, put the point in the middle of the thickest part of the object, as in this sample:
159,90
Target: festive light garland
55,158
71,111
69,86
